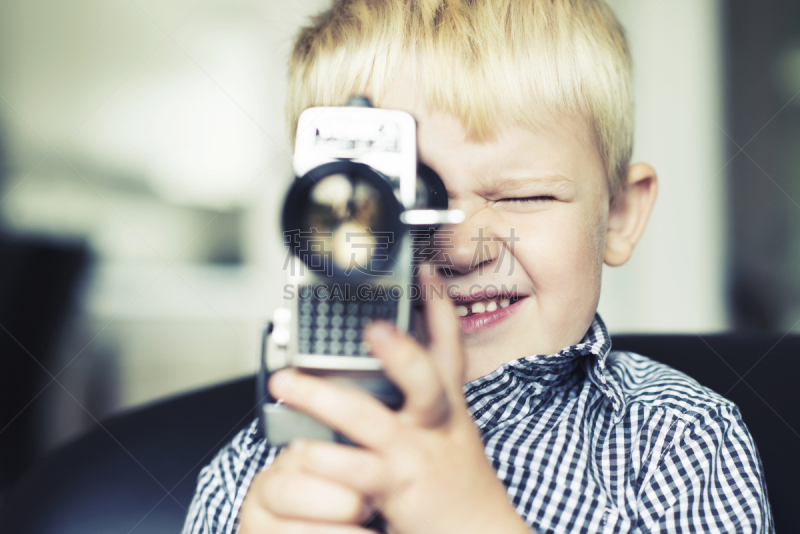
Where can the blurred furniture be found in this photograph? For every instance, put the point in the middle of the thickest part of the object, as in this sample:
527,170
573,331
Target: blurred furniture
138,473
38,279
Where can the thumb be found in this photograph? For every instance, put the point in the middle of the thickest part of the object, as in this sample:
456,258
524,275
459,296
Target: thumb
444,332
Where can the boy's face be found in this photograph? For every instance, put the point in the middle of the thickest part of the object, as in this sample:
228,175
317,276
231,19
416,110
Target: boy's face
536,205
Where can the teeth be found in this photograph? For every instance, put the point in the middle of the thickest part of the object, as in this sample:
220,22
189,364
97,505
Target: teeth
482,307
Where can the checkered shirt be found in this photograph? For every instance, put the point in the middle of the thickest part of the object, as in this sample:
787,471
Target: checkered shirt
584,440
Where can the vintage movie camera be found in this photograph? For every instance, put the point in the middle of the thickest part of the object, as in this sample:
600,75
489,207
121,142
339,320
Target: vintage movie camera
349,220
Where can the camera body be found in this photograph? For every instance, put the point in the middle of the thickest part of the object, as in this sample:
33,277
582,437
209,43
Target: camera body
349,221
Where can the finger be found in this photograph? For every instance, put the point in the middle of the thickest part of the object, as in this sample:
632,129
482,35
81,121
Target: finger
444,331
409,366
297,527
257,520
353,467
356,414
299,495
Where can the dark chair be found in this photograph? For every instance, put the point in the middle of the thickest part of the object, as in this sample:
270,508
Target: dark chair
138,472
40,282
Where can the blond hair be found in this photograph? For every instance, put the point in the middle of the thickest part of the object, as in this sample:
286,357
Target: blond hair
484,61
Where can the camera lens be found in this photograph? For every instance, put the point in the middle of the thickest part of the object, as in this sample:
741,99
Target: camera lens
430,189
345,218
345,209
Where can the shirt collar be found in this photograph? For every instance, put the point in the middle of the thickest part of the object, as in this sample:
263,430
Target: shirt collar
495,397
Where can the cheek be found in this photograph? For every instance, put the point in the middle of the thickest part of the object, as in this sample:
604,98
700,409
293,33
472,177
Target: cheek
561,251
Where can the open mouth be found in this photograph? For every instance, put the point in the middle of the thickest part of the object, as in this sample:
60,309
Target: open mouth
480,313
481,306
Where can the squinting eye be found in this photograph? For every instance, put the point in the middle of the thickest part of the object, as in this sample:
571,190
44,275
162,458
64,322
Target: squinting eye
541,198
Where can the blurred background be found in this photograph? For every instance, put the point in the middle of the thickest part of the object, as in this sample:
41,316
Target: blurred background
143,159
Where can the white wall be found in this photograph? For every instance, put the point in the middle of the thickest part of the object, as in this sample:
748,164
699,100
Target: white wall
676,278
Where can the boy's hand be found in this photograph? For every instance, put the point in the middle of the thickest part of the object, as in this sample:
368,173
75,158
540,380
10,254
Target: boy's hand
285,498
423,467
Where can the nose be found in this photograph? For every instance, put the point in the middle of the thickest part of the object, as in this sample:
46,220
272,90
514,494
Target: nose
469,246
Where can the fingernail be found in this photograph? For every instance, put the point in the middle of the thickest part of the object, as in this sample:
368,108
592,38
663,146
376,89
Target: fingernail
282,380
298,445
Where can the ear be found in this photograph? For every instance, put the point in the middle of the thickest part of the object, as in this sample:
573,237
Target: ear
628,216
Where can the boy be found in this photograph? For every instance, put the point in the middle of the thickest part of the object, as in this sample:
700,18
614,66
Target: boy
524,108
